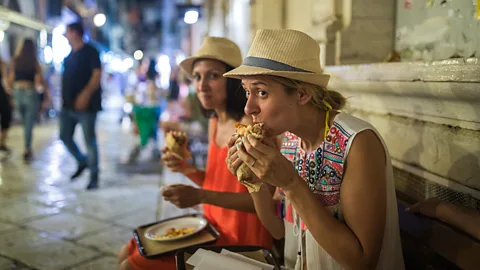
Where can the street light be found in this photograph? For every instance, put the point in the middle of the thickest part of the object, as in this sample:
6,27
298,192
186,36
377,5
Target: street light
99,19
138,55
128,62
191,17
48,54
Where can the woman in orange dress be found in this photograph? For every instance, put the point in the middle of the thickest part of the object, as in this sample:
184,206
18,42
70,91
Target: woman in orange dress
227,204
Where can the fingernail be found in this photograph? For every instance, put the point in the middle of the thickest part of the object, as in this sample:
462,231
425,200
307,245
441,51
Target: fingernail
243,139
239,144
235,136
238,154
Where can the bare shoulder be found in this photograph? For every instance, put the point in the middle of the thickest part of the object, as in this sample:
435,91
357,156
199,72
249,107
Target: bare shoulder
366,144
366,161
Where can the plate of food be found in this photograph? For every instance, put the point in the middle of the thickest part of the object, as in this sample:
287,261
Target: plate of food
176,229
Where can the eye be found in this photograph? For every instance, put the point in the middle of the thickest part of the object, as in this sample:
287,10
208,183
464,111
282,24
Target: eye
212,75
247,93
196,77
262,93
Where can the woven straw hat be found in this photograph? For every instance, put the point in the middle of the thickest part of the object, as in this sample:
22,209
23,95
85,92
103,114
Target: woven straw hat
217,48
285,53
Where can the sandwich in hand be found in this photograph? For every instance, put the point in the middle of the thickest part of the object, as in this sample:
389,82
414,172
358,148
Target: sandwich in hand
176,143
244,173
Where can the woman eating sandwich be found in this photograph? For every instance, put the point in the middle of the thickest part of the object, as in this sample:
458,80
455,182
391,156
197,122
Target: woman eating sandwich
336,204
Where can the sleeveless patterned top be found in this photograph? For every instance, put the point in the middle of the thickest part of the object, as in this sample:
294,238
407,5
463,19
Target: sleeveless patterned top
322,169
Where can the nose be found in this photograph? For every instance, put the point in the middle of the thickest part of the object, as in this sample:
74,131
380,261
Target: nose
201,84
251,108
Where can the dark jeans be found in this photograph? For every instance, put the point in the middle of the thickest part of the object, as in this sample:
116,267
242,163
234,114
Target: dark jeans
27,102
68,122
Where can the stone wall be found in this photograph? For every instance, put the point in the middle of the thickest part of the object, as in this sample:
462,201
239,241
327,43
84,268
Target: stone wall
427,112
370,36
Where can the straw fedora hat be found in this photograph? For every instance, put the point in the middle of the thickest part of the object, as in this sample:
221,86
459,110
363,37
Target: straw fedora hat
285,53
217,48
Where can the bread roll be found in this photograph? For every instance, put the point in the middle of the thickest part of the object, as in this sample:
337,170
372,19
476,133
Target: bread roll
244,173
176,143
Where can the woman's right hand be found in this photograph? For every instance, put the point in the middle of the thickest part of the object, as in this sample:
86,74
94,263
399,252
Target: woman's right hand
175,164
233,161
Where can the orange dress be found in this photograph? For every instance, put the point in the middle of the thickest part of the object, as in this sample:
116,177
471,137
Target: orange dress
235,227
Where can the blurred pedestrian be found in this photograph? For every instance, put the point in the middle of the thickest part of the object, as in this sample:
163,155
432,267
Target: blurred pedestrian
26,76
5,108
81,94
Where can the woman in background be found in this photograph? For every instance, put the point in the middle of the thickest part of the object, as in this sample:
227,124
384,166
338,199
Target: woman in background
25,75
226,203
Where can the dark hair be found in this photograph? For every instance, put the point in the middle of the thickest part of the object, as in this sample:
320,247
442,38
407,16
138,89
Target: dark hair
77,27
174,90
26,60
236,99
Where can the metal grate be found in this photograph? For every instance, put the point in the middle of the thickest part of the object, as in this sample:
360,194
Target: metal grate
417,188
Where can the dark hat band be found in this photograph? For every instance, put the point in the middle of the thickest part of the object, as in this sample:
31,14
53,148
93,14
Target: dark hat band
270,64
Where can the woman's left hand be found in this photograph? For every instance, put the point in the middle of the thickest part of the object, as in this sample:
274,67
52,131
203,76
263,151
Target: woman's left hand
267,163
182,196
233,161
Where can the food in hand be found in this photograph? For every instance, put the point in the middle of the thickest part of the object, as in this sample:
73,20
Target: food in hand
176,143
256,130
171,233
244,173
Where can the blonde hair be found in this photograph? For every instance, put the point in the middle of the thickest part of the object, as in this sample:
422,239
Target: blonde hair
319,94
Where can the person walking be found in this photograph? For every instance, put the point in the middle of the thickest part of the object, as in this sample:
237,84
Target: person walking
81,94
26,77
